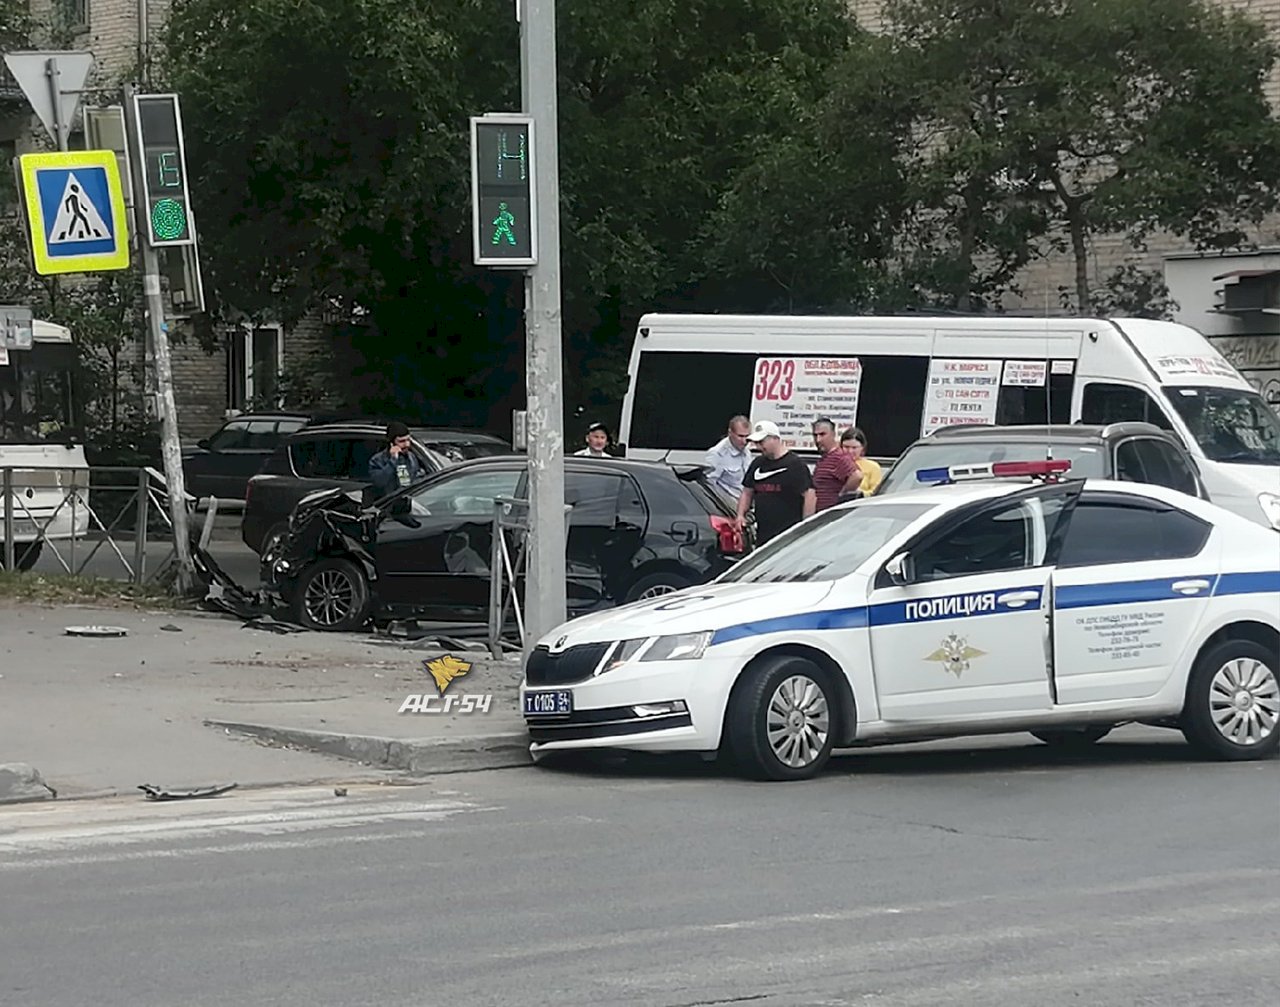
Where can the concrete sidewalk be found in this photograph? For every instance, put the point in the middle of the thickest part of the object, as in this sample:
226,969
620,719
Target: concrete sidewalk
193,700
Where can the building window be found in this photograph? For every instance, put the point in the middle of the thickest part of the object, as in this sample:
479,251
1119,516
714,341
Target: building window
75,14
255,361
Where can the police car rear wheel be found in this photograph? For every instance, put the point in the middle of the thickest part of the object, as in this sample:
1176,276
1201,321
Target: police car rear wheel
780,724
1233,702
1073,740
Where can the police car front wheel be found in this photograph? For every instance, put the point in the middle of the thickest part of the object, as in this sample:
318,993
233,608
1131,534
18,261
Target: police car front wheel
781,720
1233,702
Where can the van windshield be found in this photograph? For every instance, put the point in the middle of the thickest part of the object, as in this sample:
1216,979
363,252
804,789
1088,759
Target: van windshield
1229,424
1087,460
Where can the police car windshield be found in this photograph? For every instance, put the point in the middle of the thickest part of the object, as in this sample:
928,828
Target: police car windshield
1230,425
1088,461
833,545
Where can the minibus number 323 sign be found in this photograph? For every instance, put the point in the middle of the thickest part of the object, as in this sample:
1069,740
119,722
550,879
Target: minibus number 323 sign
775,380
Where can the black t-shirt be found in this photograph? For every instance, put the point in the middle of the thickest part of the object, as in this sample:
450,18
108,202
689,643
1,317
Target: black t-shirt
779,485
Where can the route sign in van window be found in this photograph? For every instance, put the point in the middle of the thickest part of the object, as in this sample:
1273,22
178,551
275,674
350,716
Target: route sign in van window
794,391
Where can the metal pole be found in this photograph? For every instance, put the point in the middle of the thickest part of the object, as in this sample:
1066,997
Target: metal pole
9,550
545,584
171,449
141,515
55,89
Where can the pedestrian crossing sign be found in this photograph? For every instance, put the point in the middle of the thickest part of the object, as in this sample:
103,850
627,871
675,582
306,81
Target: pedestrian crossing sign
75,211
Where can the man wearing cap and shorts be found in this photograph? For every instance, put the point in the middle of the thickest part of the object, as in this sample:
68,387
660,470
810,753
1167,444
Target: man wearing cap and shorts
777,482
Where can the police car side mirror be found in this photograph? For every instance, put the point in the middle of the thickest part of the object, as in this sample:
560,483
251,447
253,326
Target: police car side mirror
899,569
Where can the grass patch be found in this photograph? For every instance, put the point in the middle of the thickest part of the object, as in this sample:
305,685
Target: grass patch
64,589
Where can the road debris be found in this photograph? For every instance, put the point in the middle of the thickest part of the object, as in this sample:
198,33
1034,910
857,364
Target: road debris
155,793
99,631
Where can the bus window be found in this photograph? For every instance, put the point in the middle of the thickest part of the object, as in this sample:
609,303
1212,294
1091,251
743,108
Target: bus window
682,401
35,395
1028,404
1110,403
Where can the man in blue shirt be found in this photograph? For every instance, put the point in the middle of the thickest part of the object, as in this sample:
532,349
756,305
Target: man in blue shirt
397,466
729,459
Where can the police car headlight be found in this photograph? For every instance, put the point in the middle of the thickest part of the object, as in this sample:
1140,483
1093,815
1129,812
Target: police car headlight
1270,504
683,647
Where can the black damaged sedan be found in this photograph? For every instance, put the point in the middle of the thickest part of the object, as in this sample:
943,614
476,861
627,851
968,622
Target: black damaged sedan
636,530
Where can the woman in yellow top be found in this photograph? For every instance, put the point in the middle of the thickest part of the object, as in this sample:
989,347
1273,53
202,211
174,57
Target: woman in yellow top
854,441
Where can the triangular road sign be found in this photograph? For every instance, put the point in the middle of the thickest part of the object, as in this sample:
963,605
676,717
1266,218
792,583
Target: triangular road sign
30,70
78,219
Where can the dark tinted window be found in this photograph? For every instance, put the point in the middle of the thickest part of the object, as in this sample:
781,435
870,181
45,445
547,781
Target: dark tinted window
711,387
1027,404
333,457
459,451
262,435
230,437
1003,538
594,497
1114,532
1106,403
1181,476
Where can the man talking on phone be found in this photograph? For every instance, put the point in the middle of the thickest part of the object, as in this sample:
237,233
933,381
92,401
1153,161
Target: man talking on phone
396,466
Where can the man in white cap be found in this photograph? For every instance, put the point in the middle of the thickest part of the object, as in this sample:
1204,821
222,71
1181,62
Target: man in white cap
778,483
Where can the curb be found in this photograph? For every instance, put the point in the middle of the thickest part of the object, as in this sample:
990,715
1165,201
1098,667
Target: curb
21,783
425,756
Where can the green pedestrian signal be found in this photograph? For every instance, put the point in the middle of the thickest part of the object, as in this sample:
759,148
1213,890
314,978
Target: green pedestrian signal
158,122
504,217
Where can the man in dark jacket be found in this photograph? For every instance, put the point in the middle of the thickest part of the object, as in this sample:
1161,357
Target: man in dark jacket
397,466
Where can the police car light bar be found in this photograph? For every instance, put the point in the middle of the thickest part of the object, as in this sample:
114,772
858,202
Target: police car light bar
993,470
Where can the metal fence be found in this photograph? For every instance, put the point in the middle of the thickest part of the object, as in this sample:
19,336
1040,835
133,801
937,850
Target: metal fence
76,514
507,567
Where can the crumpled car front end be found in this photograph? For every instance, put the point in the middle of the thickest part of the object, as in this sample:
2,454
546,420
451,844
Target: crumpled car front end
330,522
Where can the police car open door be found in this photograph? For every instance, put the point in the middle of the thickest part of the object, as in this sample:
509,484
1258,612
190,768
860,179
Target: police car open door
959,623
1134,581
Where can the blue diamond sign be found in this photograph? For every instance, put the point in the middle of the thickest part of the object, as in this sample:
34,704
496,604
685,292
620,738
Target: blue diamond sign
75,211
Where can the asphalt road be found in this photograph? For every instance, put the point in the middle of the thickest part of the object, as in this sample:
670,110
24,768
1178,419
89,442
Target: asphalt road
1004,875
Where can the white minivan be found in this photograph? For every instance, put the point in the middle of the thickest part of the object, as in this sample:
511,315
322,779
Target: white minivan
899,378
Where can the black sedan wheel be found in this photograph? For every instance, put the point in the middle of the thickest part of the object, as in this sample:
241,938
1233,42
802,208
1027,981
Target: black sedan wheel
331,595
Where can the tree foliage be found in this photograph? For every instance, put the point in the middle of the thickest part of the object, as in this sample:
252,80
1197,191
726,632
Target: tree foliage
329,148
1081,117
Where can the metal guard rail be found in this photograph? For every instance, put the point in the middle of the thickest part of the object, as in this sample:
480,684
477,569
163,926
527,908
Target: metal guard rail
147,500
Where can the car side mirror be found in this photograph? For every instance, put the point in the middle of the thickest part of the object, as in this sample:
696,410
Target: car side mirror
900,569
203,444
401,507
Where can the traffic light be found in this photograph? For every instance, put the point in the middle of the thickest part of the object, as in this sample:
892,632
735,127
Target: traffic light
503,214
164,170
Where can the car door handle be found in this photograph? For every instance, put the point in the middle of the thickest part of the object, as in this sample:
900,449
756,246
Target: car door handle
1190,586
1016,599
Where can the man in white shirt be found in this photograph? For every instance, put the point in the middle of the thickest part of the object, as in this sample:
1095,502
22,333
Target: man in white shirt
729,459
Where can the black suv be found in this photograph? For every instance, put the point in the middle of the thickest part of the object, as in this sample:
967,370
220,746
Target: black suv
1129,452
636,530
221,464
325,456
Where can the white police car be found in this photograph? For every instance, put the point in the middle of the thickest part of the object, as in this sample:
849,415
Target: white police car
1059,608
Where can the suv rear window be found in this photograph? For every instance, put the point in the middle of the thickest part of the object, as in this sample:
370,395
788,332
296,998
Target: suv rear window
460,451
710,497
334,457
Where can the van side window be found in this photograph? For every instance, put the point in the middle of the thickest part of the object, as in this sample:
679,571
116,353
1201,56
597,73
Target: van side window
710,387
1023,404
1108,403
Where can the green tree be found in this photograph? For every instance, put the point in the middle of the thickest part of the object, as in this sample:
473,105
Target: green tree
329,151
1089,116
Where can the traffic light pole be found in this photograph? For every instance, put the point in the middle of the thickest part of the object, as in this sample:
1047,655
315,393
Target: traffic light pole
158,338
545,587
